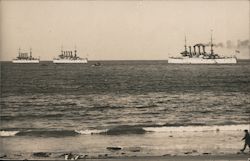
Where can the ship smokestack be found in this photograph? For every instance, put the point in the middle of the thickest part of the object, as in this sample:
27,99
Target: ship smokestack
75,50
204,49
194,51
30,52
61,50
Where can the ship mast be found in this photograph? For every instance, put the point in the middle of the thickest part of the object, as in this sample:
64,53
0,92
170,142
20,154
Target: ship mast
19,52
185,44
212,51
30,53
61,50
75,51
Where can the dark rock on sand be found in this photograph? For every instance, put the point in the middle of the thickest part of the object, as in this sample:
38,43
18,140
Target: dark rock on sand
41,154
61,155
100,156
18,155
166,155
3,155
114,148
71,156
135,149
82,156
206,153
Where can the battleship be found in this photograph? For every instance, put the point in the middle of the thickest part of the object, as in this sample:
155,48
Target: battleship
67,57
201,57
25,58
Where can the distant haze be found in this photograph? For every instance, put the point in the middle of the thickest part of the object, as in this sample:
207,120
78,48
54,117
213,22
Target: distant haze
122,30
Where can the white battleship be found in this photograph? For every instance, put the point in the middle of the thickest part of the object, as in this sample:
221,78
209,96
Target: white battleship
189,57
67,57
25,58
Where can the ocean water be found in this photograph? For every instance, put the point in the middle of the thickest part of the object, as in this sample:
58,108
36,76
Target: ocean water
120,100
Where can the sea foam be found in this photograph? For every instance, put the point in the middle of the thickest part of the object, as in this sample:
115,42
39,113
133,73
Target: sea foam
8,133
197,128
90,132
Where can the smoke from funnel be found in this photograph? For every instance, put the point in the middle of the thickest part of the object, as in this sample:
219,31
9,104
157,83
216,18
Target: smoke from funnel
243,44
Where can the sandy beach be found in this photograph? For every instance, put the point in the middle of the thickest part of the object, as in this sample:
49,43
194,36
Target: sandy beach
138,157
232,157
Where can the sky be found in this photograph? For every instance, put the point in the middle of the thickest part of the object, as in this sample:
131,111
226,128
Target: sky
122,29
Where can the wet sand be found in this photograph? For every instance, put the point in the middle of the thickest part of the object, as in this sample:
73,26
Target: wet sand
125,157
231,157
204,145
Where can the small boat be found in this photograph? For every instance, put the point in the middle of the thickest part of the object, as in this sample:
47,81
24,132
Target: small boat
97,64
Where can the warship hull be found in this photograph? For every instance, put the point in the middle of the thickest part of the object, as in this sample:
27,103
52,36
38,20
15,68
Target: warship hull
68,61
25,61
202,61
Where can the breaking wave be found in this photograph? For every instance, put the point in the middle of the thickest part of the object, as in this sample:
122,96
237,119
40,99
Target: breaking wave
121,130
39,133
90,132
8,133
198,128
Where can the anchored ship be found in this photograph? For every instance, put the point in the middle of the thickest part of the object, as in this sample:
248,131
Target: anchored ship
69,57
201,57
25,58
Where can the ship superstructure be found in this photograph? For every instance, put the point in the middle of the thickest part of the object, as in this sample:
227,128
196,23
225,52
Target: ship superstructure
68,56
25,57
200,56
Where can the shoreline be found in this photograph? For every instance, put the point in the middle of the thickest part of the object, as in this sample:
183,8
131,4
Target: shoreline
162,145
168,157
227,157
